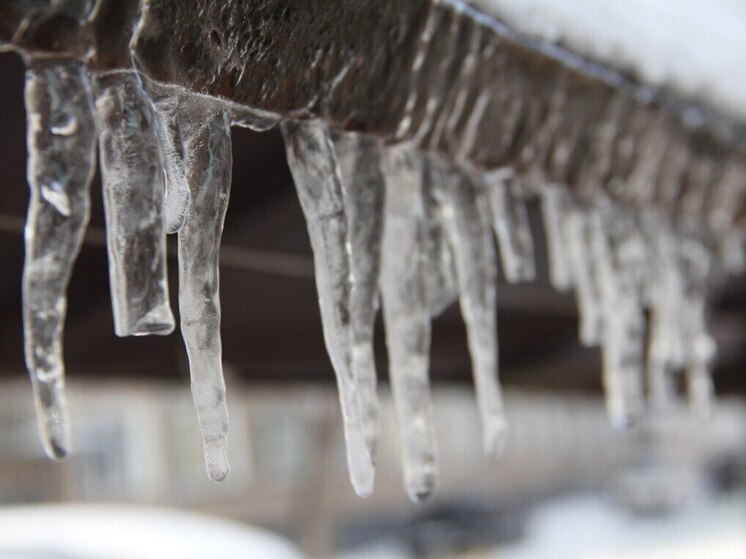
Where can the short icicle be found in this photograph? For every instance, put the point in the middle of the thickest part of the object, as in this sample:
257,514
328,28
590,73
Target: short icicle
467,225
553,205
575,229
407,318
318,181
363,187
511,225
61,142
133,183
208,161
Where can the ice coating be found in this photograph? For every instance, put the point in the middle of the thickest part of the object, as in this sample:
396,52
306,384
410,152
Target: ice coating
406,316
61,143
133,183
208,161
168,127
511,225
359,160
318,181
467,224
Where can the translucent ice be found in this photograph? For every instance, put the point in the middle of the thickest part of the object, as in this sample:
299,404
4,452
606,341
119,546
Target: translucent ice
318,181
467,225
133,183
168,127
208,160
407,318
61,142
511,225
363,188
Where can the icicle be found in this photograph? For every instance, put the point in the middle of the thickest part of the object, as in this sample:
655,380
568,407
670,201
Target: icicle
407,318
467,225
318,182
208,160
701,353
665,352
622,332
363,186
61,141
576,230
511,225
169,132
553,201
699,347
133,185
440,272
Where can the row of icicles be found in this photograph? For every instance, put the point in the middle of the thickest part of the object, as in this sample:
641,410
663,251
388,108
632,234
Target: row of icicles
388,225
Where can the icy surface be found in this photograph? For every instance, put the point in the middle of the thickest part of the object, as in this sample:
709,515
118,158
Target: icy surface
407,318
467,225
133,182
207,164
61,140
363,188
318,181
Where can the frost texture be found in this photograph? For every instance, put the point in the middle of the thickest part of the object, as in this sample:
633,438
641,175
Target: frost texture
406,315
318,181
61,140
133,182
207,168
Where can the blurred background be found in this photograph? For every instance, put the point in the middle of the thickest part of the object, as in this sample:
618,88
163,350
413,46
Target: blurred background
568,485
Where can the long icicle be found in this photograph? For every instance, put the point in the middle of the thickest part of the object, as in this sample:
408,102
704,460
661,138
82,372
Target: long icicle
208,162
133,182
511,225
318,181
363,185
61,142
466,217
407,318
